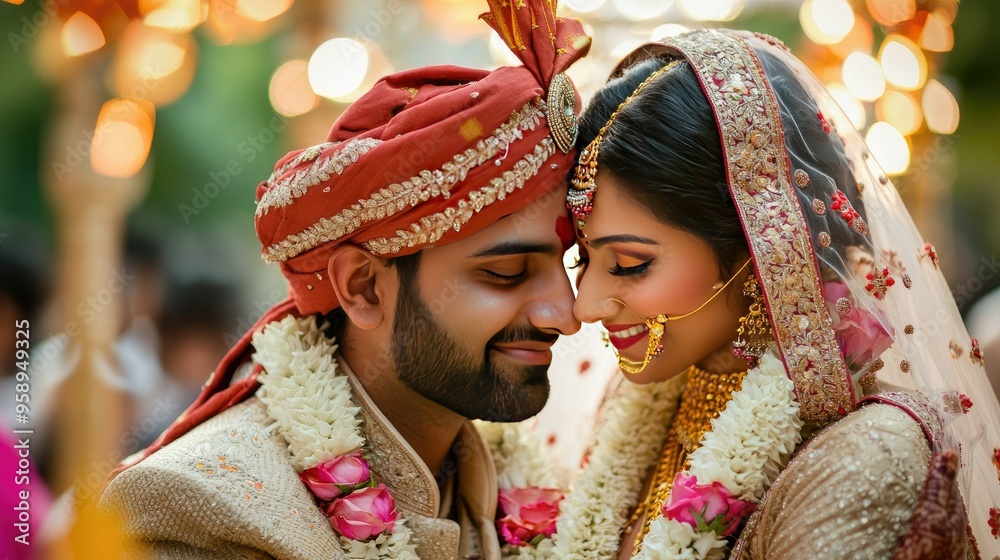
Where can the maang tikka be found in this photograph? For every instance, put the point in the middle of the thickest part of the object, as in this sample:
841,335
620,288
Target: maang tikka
583,186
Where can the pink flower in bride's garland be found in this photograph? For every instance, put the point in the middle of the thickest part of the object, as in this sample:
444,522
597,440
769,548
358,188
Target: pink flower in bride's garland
860,333
331,479
529,514
364,514
705,507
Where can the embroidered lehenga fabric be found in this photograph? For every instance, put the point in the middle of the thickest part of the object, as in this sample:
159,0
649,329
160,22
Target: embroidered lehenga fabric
902,429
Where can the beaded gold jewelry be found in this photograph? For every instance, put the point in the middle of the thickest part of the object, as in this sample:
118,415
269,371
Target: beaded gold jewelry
703,400
657,324
580,199
754,326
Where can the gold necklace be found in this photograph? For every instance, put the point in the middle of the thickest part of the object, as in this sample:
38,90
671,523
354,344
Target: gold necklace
705,397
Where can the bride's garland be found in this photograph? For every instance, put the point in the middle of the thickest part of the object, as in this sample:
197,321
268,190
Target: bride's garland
749,443
313,411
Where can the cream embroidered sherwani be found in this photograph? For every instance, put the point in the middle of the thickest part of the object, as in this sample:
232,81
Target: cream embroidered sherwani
226,489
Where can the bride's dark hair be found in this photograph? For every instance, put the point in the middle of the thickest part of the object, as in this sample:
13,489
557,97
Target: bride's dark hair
665,149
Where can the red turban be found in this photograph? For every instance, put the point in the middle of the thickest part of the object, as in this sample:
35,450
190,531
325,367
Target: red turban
429,155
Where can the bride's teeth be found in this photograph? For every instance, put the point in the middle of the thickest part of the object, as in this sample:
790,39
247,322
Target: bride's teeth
630,332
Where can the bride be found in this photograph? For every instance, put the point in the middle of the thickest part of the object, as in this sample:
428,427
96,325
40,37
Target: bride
799,381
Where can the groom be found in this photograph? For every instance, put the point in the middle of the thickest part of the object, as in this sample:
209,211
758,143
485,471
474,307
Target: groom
422,245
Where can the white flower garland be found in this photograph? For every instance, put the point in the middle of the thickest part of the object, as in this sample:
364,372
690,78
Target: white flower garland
521,462
749,444
627,445
313,411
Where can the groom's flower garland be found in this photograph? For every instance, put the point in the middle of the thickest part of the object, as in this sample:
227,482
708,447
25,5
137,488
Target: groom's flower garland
757,432
529,495
313,411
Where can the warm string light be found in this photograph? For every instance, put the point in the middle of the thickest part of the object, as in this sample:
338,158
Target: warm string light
896,83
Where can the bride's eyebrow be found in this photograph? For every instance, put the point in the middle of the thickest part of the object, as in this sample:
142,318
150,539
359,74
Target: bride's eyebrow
620,238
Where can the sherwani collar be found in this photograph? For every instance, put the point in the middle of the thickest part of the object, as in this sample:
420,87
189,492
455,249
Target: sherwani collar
413,485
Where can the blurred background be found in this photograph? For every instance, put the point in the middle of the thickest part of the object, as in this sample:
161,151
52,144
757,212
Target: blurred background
133,134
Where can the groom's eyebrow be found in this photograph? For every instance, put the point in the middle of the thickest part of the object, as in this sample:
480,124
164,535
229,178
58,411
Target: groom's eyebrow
620,238
507,248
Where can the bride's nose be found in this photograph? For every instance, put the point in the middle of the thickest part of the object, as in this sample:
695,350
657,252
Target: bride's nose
594,301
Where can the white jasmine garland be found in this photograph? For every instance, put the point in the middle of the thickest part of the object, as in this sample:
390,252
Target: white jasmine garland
313,411
748,445
521,463
627,445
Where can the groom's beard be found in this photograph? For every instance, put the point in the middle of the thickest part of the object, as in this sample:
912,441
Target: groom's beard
433,364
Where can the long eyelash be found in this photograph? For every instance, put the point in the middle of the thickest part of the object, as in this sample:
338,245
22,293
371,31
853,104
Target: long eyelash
579,263
503,278
619,270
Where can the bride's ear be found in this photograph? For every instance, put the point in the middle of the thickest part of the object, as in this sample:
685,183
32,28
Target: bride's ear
358,279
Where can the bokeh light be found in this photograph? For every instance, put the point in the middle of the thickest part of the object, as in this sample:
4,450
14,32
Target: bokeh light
174,15
81,35
937,34
860,38
903,63
889,148
901,110
153,64
262,10
711,10
853,108
289,90
940,108
641,10
337,67
667,30
583,6
500,52
891,12
826,22
122,138
863,77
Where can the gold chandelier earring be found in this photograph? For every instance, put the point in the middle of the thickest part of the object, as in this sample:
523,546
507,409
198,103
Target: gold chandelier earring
753,337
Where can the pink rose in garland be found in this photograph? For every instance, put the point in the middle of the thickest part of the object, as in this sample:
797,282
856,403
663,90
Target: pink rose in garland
861,336
364,514
529,514
331,479
705,507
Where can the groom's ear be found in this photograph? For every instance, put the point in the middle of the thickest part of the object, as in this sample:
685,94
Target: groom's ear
359,280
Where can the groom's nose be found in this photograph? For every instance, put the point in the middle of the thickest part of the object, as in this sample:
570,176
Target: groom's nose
551,309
